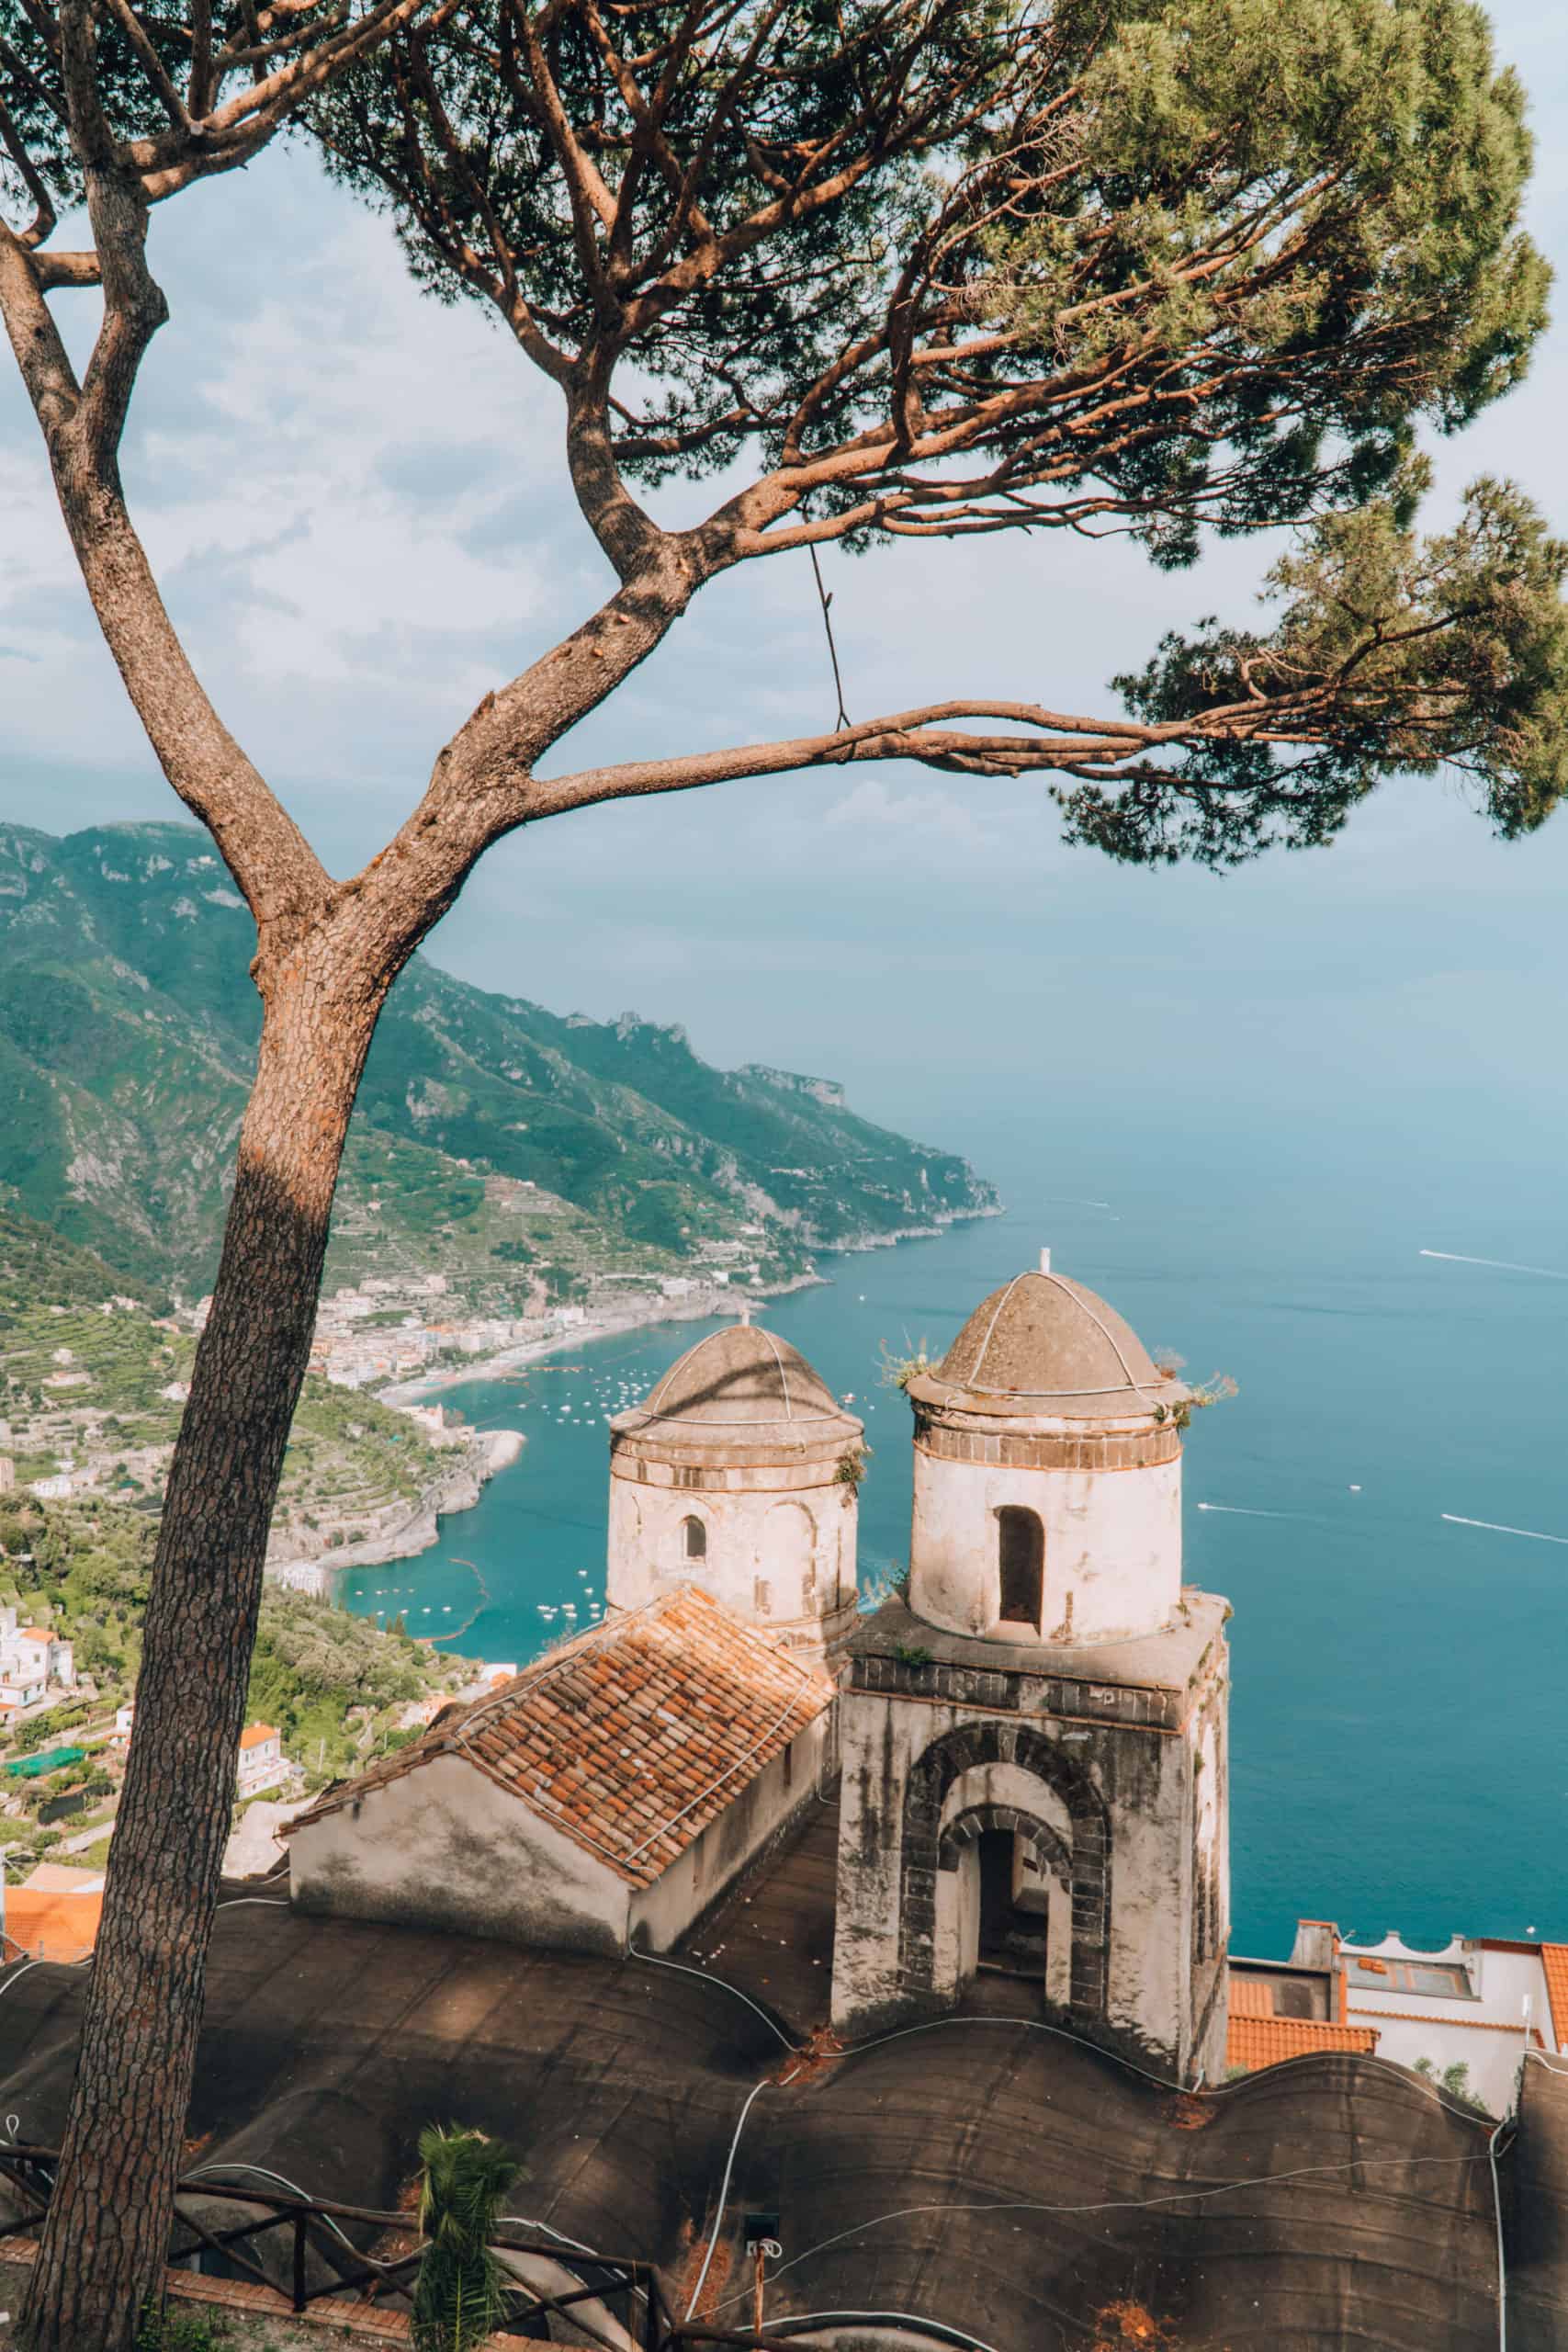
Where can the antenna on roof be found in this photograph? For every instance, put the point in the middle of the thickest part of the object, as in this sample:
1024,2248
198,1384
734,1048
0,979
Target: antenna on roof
1044,1261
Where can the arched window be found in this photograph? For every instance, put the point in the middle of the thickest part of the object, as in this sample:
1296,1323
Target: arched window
1020,1554
694,1539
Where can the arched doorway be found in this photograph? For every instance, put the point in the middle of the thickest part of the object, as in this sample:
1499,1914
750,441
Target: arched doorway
1009,1871
929,1850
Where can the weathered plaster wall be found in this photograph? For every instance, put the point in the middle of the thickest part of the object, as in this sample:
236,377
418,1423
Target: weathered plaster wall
780,1543
444,1847
1155,1996
661,1913
1112,1546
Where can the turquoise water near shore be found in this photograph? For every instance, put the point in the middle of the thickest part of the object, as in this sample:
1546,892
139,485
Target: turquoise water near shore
1400,1739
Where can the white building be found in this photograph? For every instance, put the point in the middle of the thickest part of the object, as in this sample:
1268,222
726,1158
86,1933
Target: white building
1035,1745
602,1797
35,1654
54,1490
739,1474
260,1759
1479,2003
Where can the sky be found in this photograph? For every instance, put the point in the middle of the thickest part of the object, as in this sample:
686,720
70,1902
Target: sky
356,502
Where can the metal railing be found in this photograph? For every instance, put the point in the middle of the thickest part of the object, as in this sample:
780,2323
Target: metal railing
626,2289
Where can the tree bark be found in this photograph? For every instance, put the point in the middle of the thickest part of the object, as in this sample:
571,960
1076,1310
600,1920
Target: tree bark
106,2239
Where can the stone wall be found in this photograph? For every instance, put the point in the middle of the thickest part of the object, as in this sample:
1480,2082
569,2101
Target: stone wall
1111,1807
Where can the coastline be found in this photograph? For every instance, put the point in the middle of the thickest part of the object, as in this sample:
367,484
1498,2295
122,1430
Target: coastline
459,1488
645,1313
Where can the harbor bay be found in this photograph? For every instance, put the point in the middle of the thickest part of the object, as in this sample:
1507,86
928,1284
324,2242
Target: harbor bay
1400,1758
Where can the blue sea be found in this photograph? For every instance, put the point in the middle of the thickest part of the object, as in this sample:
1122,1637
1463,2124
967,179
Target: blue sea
1399,1735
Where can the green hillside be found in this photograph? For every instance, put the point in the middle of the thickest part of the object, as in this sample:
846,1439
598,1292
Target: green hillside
510,1147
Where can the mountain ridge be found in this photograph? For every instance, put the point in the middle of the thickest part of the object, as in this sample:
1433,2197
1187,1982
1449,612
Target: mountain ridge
522,1150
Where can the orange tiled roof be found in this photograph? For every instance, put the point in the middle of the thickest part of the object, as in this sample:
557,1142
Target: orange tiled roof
1251,1996
1265,2041
631,1738
36,1633
49,1923
253,1735
1555,1959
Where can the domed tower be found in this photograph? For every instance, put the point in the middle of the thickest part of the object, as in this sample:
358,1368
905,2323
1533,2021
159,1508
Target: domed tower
1035,1742
1047,1474
739,1473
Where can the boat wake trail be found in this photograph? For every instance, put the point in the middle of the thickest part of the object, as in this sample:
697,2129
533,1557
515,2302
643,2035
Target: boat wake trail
1502,1265
1494,1528
1239,1510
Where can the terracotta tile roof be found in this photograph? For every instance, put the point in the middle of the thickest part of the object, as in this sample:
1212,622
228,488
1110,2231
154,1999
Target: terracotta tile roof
1265,2041
1251,1996
253,1735
630,1738
51,1924
1555,1959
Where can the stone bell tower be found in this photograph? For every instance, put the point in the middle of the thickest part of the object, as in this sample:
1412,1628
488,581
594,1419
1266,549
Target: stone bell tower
1034,1741
739,1472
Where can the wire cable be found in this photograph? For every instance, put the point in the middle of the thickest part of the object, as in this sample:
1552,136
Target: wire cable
723,2197
684,1968
944,2330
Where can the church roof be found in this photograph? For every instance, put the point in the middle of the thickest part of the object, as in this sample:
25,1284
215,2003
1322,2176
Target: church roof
631,1738
1052,1346
742,1383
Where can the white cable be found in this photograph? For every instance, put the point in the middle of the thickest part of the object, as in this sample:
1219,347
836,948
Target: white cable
1502,2258
706,1976
1107,2205
723,2194
914,2319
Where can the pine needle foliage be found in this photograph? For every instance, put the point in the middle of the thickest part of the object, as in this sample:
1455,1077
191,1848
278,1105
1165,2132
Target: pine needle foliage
460,2296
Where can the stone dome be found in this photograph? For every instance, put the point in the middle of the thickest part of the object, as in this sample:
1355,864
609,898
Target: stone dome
1049,1346
741,1387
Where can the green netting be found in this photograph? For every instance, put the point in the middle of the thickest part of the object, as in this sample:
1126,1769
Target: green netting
33,1767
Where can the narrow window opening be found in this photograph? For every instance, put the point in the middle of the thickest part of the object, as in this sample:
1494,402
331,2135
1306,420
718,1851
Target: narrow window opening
762,1596
1020,1547
697,1539
789,1765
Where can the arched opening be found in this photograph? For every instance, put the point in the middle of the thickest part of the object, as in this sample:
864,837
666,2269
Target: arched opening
1020,1560
694,1539
789,1557
934,1951
1013,1935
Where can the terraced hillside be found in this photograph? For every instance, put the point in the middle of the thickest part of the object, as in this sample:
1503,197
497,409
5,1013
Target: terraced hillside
90,1386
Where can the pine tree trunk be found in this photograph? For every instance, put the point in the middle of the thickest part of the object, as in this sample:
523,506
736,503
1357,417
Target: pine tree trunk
106,2239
